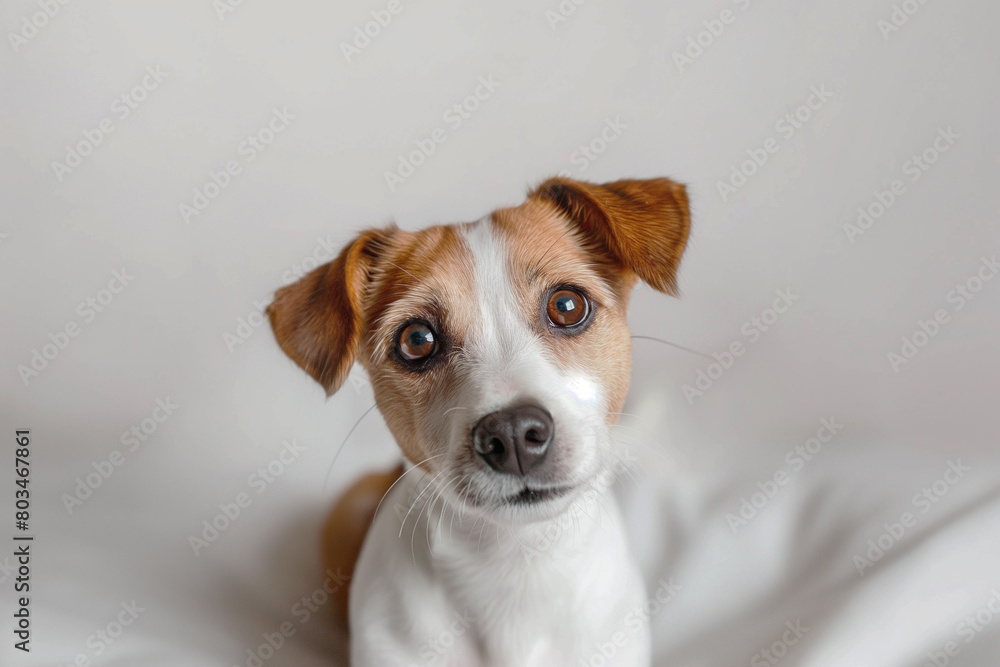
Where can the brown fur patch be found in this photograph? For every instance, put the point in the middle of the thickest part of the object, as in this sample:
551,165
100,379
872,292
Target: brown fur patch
641,225
425,276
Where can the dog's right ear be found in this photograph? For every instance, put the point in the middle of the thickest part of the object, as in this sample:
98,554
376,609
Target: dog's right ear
319,319
641,225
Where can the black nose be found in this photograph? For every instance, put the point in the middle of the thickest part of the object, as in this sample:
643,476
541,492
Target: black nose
514,440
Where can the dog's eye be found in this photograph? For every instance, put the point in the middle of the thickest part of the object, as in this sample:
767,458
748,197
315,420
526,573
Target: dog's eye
417,341
567,308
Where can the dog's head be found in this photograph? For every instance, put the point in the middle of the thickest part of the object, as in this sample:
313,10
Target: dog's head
498,350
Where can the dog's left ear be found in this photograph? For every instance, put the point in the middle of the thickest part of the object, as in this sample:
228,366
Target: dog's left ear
319,319
639,225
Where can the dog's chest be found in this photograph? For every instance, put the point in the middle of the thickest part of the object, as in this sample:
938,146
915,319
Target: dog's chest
533,607
519,612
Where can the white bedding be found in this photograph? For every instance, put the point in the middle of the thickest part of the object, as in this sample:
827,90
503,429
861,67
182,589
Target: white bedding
183,334
795,564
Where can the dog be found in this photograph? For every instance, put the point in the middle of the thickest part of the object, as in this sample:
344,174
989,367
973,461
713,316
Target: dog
499,356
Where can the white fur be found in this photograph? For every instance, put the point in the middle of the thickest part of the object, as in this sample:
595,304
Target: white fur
440,582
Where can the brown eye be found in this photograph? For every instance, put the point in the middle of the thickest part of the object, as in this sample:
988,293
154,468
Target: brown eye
417,341
567,308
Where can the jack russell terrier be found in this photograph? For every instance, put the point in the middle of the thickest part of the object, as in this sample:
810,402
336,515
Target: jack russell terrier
499,356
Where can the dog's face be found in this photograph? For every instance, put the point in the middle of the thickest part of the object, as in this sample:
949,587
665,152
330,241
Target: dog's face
498,350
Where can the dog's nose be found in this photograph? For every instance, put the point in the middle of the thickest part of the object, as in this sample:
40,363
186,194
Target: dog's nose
514,440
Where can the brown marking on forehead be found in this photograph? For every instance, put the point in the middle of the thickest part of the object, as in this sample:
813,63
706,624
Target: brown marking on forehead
544,248
425,275
545,251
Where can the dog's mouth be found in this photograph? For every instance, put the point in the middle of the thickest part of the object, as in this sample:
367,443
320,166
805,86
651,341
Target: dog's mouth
529,496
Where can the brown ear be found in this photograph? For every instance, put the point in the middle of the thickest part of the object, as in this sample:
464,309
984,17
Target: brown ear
640,225
319,319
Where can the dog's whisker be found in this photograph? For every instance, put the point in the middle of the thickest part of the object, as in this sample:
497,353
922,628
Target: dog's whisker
430,509
444,508
415,500
429,506
679,347
617,461
524,548
595,521
576,526
482,531
405,473
639,436
636,441
626,414
451,523
629,469
402,269
475,522
326,479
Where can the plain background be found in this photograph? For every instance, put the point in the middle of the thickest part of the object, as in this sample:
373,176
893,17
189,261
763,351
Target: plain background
561,82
